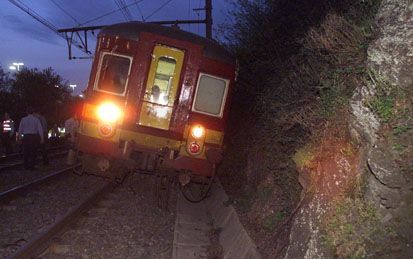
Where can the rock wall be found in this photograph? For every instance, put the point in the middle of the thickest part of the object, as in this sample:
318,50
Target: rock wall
386,186
392,52
391,55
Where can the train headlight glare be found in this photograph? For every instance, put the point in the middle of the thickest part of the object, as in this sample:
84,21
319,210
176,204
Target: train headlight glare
109,112
198,131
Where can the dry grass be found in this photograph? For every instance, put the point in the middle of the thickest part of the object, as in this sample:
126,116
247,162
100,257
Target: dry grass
352,227
337,36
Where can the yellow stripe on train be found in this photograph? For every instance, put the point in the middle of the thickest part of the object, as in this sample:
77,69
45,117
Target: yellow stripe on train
91,129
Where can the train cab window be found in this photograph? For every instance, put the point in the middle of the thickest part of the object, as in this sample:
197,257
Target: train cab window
113,73
163,81
210,95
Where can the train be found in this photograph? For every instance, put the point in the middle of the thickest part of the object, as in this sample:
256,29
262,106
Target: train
157,102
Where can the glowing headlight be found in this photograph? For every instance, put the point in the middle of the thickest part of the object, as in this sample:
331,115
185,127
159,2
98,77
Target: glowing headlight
197,131
109,112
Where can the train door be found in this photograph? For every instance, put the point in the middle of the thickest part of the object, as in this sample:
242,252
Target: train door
161,87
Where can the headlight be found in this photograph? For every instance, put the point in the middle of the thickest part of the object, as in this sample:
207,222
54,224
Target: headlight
109,112
198,131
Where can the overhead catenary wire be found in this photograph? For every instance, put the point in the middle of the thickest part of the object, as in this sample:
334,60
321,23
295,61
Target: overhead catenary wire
140,12
22,6
25,8
126,10
66,12
123,10
158,9
109,13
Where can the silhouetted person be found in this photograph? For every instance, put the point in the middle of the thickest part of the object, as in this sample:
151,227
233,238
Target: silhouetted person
43,148
7,128
31,130
155,94
71,126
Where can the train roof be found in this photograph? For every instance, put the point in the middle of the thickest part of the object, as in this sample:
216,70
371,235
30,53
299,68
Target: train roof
131,30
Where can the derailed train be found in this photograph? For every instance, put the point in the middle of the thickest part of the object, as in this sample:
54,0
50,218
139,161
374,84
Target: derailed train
157,99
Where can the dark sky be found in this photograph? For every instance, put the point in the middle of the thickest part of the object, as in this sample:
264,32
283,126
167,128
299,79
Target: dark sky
23,39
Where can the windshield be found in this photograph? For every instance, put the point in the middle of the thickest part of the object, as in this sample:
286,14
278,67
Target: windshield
113,74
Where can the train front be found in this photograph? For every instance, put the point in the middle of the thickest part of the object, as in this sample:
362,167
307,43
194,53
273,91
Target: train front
156,97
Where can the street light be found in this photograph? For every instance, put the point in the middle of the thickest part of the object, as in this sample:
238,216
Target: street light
73,87
17,65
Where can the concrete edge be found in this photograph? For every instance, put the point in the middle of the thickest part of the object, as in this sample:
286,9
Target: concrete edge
234,238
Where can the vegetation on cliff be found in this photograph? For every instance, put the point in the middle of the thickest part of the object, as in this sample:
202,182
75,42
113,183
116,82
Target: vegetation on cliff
300,63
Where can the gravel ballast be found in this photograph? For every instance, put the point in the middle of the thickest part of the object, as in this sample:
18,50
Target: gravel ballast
126,224
24,217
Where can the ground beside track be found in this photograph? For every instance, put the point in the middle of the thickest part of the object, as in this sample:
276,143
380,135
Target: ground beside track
17,176
125,224
26,216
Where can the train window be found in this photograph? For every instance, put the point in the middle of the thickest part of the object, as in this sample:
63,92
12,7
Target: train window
210,95
163,81
113,73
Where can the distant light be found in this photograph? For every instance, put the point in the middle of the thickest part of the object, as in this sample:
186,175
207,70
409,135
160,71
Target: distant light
81,95
18,65
56,86
73,87
12,67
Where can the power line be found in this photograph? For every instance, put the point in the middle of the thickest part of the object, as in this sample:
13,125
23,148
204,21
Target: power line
122,9
34,15
154,12
140,12
126,10
22,6
109,13
67,13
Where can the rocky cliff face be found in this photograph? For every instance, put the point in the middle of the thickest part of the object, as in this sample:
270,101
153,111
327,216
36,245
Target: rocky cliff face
390,179
384,155
392,52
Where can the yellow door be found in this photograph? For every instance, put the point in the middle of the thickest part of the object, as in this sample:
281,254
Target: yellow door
161,87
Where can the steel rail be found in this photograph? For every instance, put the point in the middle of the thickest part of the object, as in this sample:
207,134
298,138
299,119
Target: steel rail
19,163
15,191
19,155
41,241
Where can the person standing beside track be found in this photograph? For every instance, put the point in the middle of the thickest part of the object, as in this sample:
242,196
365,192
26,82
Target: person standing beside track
43,149
7,128
71,127
31,129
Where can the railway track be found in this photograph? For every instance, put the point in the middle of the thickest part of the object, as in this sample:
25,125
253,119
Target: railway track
123,221
5,158
14,160
40,243
23,188
112,220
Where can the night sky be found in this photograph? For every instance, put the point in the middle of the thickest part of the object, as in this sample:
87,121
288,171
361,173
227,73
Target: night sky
23,39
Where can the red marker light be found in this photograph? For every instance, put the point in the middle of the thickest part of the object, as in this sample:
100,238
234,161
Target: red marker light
105,130
194,148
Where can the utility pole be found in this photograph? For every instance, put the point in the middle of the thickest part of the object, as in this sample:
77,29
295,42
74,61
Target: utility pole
208,18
